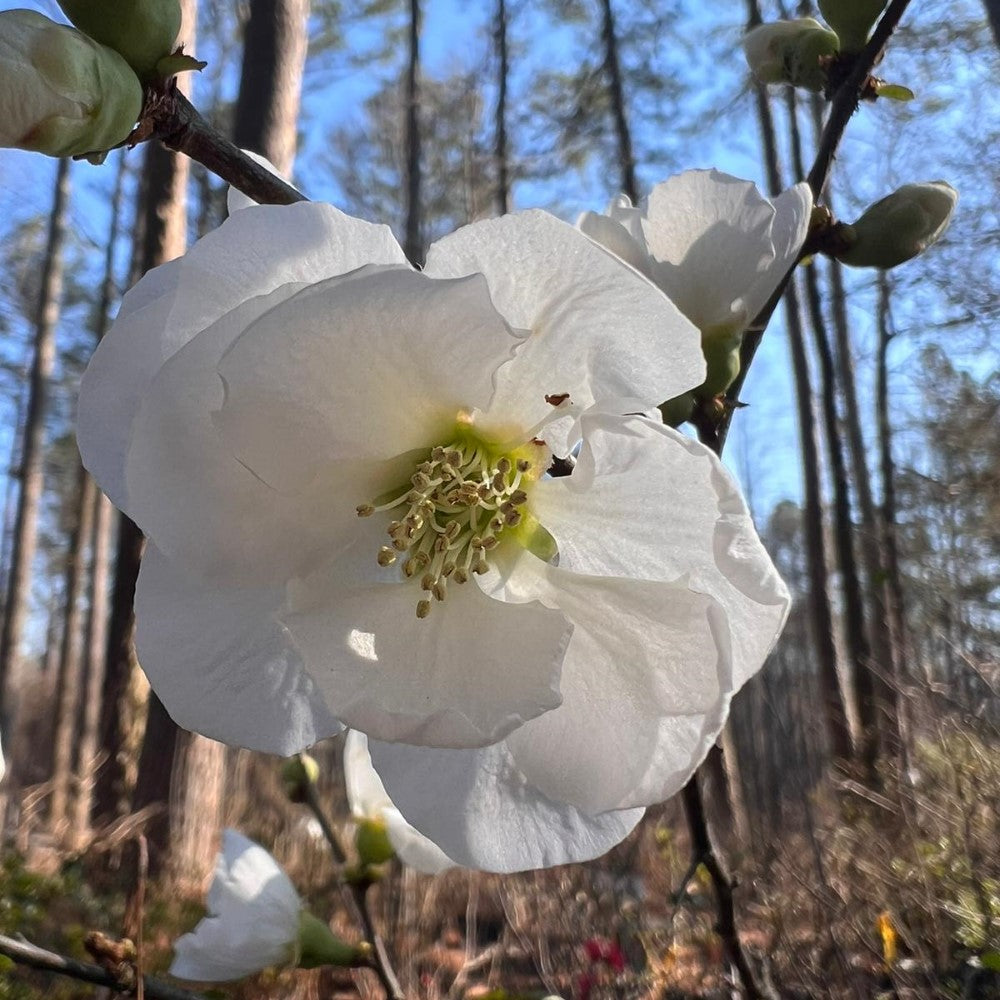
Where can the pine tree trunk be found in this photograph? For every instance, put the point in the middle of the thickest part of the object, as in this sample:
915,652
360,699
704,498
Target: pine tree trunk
413,243
70,660
164,238
820,613
32,451
501,154
993,13
887,523
274,54
616,92
100,547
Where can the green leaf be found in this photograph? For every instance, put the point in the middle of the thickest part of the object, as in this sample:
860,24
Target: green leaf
895,92
991,960
178,63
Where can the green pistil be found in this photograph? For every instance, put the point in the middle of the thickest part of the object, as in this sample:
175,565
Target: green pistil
458,505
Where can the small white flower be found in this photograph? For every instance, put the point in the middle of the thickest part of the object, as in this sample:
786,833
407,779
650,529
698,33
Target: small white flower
292,371
369,801
60,92
711,241
252,922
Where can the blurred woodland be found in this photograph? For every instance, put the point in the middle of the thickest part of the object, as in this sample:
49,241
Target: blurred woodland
855,796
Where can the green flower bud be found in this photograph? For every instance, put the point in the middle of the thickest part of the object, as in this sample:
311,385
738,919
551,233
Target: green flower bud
792,52
678,410
900,226
60,92
297,773
143,31
317,945
853,20
372,842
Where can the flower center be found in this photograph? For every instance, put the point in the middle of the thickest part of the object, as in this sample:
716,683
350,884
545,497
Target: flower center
459,503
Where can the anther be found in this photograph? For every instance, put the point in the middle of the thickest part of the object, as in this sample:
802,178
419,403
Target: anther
427,581
454,457
523,465
386,557
461,575
440,589
400,544
518,497
503,466
365,510
423,609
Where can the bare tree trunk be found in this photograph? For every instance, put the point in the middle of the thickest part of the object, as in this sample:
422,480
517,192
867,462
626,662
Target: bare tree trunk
274,54
413,244
896,594
612,66
100,548
68,685
10,490
164,238
32,457
501,154
820,613
993,13
862,681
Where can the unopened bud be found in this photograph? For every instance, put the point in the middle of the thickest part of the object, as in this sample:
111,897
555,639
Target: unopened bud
142,31
722,361
794,52
853,20
372,842
297,774
900,226
317,945
63,93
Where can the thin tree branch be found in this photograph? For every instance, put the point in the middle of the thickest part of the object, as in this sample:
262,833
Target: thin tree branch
355,892
25,953
845,102
171,118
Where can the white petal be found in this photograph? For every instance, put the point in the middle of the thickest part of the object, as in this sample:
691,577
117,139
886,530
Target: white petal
369,365
254,252
466,675
792,212
253,917
196,500
597,328
646,685
412,847
613,236
366,795
645,501
368,799
222,663
710,235
477,807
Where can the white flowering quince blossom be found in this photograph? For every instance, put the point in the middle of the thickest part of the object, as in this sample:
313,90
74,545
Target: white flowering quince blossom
341,467
252,922
714,244
370,803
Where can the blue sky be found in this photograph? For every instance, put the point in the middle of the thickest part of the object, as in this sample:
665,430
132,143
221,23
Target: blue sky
886,145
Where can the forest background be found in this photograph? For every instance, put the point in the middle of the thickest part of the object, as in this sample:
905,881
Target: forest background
860,791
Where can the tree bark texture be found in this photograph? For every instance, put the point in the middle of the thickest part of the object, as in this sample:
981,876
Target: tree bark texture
33,446
501,152
70,656
100,551
616,92
274,55
413,243
820,612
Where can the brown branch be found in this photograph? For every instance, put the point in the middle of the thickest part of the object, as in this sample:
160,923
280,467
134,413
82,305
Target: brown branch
703,852
25,953
171,118
845,102
355,893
